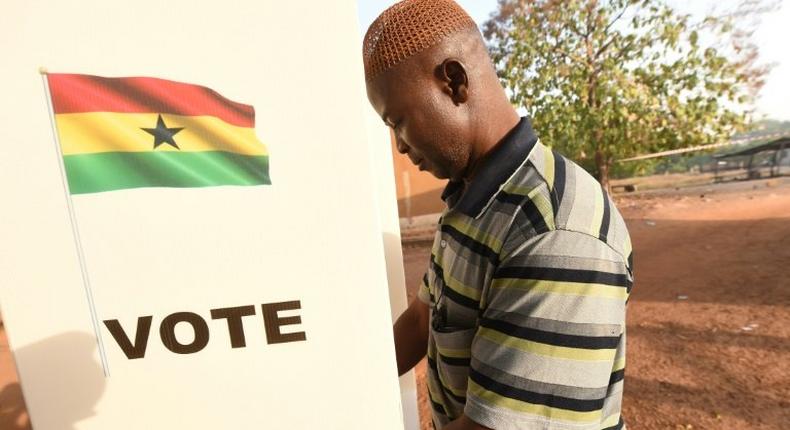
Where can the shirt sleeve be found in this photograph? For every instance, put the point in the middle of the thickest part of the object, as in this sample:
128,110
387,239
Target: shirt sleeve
551,337
424,293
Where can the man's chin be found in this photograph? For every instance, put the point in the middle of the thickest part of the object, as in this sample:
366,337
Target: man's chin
438,175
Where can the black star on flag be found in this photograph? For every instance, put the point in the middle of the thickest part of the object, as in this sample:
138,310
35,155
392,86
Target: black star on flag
163,134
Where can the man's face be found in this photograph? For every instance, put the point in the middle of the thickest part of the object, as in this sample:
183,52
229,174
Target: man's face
428,127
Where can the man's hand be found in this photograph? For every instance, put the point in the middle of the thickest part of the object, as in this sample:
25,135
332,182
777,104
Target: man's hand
411,335
464,423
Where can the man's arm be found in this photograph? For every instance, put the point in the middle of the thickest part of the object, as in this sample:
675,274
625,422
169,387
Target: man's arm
411,335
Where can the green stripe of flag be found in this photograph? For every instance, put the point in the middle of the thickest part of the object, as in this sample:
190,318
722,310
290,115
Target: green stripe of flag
107,171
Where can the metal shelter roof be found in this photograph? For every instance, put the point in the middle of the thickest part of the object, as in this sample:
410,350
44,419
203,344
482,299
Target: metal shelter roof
773,145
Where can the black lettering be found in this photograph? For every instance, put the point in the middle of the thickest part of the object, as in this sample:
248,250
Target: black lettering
273,322
235,327
136,350
168,334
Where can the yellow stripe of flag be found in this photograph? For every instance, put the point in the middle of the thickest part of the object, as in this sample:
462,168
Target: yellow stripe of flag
94,132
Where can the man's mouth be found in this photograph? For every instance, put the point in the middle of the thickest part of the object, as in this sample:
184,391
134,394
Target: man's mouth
419,161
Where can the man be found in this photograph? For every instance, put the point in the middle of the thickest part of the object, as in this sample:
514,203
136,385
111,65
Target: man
522,309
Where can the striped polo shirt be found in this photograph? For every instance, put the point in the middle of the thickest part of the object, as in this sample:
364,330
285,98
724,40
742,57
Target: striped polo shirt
528,280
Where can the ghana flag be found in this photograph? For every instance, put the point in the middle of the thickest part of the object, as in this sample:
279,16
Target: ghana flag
118,133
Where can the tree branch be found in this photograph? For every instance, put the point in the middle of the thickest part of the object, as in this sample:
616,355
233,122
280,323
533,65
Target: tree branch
576,58
617,18
606,45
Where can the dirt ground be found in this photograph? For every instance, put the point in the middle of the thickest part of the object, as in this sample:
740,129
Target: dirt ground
709,315
708,320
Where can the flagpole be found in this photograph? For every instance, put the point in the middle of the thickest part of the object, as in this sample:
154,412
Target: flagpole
75,229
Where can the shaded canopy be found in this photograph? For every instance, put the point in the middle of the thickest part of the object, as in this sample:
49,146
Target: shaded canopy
774,145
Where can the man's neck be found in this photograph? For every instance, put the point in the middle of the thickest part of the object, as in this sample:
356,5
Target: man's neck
493,131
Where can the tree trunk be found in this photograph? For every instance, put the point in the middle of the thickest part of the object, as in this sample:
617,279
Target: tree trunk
602,170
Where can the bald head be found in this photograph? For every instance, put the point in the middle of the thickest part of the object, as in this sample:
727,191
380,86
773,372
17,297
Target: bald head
430,78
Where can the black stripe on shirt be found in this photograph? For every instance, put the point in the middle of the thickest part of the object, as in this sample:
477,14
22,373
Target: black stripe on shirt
630,270
617,376
436,406
459,298
445,390
508,198
563,275
606,219
551,338
550,400
528,207
446,290
427,286
471,244
534,216
455,361
559,181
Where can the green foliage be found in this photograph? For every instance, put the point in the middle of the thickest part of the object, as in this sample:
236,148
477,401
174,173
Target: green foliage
634,169
610,79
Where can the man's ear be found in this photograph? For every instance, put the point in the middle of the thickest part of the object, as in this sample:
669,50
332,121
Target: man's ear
455,81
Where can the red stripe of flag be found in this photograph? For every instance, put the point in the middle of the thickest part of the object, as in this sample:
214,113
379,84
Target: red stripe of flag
84,93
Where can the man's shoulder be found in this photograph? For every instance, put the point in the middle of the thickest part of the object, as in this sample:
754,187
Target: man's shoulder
554,193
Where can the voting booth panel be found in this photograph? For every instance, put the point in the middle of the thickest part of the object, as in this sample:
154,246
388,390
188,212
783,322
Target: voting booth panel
191,236
383,167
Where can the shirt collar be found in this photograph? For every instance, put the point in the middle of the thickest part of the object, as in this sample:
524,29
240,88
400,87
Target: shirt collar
499,165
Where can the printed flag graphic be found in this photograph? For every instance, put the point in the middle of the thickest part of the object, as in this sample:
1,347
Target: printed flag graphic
118,133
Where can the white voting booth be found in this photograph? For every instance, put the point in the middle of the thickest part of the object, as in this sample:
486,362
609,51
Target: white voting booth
308,256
